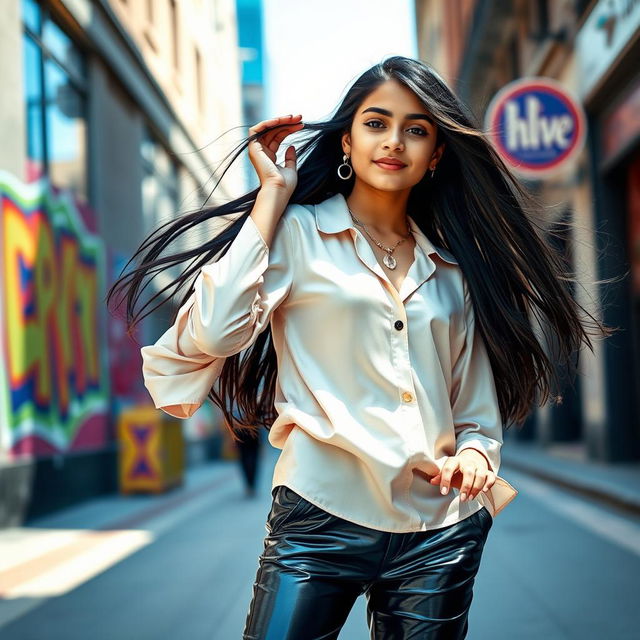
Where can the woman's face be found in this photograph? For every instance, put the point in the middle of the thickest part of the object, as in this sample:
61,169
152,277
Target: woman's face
391,122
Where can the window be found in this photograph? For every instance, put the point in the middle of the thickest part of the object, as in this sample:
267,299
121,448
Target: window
55,102
160,184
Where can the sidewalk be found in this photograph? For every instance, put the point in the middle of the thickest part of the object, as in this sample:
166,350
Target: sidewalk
565,465
56,553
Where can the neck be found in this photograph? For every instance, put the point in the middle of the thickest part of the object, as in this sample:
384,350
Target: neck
384,212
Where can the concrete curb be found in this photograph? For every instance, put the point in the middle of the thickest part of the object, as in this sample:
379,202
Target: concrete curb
617,484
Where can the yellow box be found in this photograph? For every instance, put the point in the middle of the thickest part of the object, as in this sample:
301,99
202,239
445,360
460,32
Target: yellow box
151,451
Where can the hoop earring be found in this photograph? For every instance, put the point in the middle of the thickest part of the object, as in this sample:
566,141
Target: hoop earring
345,163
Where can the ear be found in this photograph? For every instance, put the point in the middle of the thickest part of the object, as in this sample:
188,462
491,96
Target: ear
439,150
346,142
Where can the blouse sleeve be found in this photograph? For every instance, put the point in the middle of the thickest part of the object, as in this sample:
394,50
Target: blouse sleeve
232,303
476,414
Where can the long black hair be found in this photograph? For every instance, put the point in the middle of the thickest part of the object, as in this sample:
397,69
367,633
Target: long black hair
520,285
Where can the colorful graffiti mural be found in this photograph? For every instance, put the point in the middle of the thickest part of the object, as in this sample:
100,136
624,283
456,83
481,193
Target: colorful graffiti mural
54,381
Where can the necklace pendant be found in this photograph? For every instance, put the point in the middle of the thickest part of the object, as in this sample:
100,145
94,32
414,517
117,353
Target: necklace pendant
389,260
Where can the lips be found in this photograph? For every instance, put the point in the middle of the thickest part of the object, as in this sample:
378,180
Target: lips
390,164
389,160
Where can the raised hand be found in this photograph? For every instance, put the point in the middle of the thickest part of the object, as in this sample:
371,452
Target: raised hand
262,153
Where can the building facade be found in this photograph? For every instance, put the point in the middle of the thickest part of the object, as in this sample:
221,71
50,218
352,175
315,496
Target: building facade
121,105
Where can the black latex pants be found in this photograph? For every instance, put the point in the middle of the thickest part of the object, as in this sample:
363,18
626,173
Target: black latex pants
315,565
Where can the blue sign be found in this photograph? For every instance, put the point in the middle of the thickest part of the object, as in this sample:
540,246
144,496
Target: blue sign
536,126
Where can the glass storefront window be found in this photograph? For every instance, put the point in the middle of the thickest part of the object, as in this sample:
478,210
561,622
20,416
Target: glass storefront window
34,104
168,191
31,15
60,45
66,130
160,184
55,102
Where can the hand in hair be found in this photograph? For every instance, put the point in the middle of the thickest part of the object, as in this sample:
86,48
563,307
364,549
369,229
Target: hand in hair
262,152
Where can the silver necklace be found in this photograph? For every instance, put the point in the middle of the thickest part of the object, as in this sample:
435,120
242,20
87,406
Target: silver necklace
388,259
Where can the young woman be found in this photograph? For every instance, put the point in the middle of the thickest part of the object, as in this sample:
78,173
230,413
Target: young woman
371,305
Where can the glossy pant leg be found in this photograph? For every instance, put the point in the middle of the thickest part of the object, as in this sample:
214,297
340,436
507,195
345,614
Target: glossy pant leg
310,571
426,585
315,565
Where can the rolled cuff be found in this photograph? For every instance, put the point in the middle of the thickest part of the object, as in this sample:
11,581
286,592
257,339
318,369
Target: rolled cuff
498,497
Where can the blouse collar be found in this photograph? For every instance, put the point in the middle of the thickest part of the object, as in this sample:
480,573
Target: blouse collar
332,216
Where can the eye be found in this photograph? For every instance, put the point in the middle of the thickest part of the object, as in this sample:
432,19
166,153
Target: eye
369,123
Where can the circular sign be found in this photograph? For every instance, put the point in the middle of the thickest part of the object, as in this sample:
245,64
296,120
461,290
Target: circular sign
535,125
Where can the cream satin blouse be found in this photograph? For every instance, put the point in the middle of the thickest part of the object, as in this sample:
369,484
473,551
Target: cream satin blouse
375,387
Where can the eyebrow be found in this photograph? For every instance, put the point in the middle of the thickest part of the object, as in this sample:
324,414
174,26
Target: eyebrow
409,116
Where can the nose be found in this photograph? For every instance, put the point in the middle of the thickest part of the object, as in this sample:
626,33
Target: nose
394,140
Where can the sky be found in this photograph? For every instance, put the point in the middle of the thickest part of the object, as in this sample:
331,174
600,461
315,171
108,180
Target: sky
315,49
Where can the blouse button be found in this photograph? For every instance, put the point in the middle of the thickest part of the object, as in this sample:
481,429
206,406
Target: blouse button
407,397
398,324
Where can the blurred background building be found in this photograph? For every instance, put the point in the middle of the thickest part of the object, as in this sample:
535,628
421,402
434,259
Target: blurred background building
120,102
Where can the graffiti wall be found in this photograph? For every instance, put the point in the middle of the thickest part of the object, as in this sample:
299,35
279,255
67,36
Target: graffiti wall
54,380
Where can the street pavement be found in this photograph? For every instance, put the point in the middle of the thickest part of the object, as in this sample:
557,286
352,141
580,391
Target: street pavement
561,562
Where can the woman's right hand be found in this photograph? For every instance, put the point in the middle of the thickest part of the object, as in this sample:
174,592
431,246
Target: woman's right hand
262,153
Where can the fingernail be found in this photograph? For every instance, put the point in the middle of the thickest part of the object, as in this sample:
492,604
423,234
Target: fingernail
443,491
463,496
